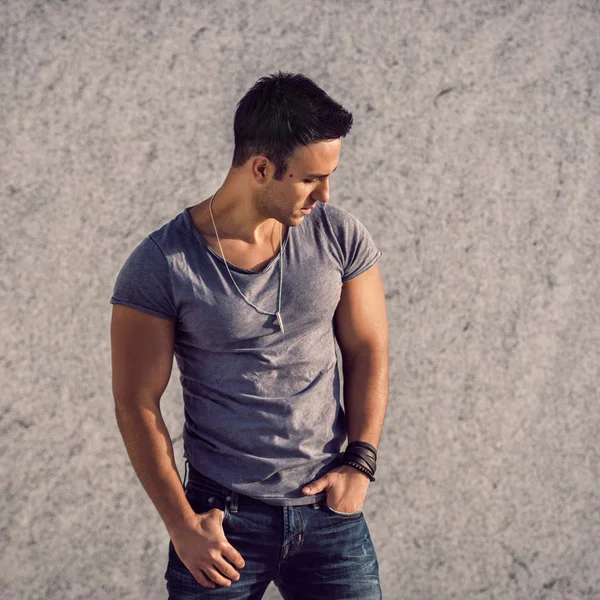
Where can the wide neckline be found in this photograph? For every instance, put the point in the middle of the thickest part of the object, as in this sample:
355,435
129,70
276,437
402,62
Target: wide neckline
233,266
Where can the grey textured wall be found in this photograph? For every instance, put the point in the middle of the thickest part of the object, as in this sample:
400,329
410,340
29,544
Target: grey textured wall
474,163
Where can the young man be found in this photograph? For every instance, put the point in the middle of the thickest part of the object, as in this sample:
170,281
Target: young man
249,289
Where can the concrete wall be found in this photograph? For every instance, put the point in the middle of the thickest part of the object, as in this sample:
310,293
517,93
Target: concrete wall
473,162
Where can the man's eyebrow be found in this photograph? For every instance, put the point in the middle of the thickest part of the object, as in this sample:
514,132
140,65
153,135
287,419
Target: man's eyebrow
318,176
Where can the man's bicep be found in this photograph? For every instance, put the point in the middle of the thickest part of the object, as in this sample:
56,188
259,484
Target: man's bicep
142,356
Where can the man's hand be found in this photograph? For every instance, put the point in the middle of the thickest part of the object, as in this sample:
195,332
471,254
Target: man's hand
203,549
345,486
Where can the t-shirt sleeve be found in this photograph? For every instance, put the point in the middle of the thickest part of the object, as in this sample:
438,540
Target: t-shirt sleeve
144,282
358,248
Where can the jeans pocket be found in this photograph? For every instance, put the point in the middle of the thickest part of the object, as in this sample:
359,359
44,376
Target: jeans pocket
202,498
337,513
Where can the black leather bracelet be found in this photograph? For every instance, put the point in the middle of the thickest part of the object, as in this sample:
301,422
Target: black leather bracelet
361,456
359,451
367,463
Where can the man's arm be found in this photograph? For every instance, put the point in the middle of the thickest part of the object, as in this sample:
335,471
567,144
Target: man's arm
142,360
365,395
361,329
360,325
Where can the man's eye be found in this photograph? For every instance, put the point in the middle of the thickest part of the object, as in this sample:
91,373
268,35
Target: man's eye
309,180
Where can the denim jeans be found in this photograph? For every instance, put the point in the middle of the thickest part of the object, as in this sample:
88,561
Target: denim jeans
308,551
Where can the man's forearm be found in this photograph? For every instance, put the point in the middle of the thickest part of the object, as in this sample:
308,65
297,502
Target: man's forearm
150,450
365,395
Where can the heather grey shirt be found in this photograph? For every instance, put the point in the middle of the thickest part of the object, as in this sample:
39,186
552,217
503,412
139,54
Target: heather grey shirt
263,415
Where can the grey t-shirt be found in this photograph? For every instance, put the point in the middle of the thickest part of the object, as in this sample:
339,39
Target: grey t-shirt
263,415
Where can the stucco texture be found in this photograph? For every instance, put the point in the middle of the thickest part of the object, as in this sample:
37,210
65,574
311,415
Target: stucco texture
473,161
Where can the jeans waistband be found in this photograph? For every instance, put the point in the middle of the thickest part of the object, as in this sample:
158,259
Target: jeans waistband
229,495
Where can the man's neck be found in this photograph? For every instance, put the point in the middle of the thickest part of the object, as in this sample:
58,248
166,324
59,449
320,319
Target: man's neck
237,220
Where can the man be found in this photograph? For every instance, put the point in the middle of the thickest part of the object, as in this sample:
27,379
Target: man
249,289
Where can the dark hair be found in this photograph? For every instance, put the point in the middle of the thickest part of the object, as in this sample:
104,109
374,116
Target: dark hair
281,112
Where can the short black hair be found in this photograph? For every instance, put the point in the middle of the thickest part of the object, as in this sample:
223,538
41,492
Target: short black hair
281,112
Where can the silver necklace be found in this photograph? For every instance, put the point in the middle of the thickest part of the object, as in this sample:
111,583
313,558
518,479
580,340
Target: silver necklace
278,313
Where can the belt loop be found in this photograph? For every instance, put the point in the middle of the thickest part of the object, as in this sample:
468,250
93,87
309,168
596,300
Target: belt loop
233,499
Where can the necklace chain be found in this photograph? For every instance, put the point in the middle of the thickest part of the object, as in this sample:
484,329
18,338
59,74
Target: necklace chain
278,313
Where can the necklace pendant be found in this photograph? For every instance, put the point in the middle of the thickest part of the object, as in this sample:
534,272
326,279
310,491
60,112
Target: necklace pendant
280,321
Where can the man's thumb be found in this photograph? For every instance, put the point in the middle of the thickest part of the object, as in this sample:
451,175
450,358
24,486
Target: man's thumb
314,487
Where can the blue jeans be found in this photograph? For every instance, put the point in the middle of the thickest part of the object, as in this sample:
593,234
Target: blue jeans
308,551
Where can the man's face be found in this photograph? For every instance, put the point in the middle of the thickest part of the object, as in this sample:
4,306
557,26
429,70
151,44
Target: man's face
307,179
304,184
